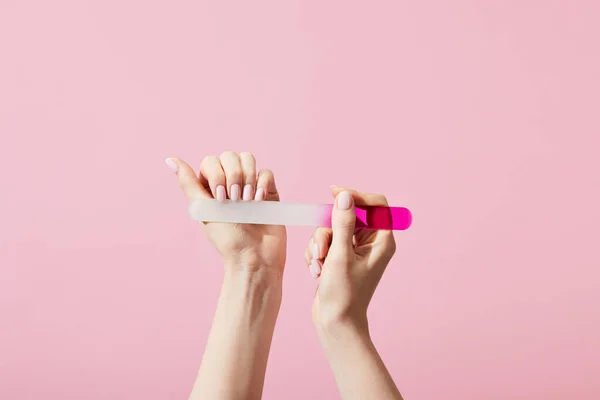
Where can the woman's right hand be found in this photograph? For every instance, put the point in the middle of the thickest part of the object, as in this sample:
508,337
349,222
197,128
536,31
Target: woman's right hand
350,263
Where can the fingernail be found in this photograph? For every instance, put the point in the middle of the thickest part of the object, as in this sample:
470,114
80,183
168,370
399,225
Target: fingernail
344,200
235,192
315,250
172,164
260,194
221,193
247,192
315,268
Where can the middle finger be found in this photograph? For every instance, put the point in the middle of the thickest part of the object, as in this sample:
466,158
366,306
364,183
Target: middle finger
232,166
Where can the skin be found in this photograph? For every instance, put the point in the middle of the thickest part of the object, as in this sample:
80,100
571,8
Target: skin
235,358
348,263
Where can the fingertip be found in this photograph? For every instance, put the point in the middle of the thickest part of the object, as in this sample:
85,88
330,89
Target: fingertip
320,242
316,250
172,164
260,194
188,181
315,268
344,201
266,181
343,221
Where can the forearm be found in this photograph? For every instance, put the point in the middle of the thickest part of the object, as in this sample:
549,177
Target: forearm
357,367
235,358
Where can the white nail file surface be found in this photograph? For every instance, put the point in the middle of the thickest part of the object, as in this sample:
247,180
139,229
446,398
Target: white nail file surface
256,212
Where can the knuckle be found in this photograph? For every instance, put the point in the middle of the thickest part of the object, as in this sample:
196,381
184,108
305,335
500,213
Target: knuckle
381,199
345,223
249,173
321,233
208,160
250,178
247,155
183,183
307,257
227,155
234,175
266,173
390,244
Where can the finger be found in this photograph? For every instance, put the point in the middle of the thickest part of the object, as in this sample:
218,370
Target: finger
317,250
248,163
232,166
308,252
343,219
213,176
321,242
368,199
318,246
265,186
315,265
362,198
188,181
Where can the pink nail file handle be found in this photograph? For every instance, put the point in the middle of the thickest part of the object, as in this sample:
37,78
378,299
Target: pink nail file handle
295,214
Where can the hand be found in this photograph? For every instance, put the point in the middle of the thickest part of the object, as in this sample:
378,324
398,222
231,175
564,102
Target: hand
234,176
235,358
350,263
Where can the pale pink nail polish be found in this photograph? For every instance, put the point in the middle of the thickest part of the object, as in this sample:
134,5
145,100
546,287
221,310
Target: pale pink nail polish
221,193
248,192
235,192
172,164
344,200
315,268
315,251
260,194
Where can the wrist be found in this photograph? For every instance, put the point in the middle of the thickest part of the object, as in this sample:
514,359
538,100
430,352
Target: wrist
253,286
252,269
251,263
341,329
253,276
342,337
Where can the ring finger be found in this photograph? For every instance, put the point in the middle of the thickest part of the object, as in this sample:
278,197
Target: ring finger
248,163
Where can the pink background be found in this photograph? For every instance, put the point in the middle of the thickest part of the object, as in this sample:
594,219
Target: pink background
481,116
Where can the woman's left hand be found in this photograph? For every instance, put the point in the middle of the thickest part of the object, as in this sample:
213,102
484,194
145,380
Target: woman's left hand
234,176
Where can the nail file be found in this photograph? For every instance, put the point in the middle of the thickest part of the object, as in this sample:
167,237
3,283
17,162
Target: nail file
295,214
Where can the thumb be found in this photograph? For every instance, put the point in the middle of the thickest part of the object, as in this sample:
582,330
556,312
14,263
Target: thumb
189,182
343,219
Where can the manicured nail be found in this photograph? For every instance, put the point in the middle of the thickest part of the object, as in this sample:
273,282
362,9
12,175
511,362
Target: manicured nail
260,194
235,192
315,268
344,200
221,193
172,164
248,192
315,251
